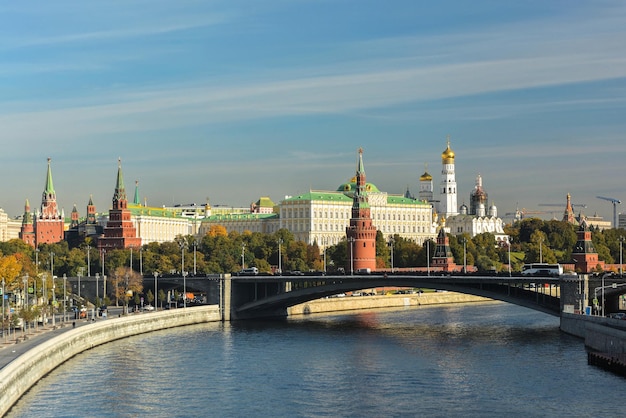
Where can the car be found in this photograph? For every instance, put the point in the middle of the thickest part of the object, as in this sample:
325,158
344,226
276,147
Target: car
618,315
148,308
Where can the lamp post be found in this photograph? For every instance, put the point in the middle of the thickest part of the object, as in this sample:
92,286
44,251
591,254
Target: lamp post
391,245
37,261
3,310
603,295
97,289
509,249
182,269
141,261
54,302
351,243
243,252
428,257
280,256
621,241
156,274
79,287
195,244
104,278
88,261
64,297
25,279
541,250
324,243
464,255
131,256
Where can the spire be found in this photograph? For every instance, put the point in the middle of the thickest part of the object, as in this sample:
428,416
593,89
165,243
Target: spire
49,190
136,200
120,190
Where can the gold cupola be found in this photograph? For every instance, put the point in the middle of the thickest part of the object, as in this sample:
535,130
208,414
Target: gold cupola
447,157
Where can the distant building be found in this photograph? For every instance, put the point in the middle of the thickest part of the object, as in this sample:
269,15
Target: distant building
9,228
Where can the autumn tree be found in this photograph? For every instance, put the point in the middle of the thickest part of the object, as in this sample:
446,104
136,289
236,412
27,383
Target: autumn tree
126,283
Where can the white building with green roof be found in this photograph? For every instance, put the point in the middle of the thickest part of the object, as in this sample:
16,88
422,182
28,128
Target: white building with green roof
322,216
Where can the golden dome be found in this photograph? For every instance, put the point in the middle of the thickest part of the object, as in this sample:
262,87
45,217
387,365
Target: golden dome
426,176
447,157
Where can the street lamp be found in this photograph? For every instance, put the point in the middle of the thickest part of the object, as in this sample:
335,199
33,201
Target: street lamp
464,255
131,256
3,309
88,262
351,243
141,261
428,256
195,244
509,248
64,297
280,256
621,241
324,243
541,250
182,269
391,244
243,251
54,301
156,274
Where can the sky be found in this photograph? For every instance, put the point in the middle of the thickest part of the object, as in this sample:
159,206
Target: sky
233,100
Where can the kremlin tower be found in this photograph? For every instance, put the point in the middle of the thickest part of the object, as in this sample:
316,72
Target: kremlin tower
47,226
120,231
361,234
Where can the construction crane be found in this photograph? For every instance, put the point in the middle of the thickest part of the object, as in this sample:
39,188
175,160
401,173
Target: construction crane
615,203
522,213
562,205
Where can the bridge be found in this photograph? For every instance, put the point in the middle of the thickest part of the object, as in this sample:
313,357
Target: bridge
241,297
260,296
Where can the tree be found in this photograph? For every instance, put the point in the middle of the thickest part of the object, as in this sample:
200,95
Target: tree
127,282
161,297
10,270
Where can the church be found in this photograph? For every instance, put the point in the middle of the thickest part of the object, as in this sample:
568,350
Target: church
478,218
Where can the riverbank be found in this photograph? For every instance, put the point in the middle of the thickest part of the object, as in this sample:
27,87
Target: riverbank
350,303
53,347
23,372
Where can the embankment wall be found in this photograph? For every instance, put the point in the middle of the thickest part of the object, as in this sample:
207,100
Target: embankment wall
606,335
384,301
22,373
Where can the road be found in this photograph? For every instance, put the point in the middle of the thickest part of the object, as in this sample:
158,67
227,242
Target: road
10,349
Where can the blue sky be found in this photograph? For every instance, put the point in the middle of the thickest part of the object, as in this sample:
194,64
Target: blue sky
233,100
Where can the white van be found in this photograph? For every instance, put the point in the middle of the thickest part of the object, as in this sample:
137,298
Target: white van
252,271
364,271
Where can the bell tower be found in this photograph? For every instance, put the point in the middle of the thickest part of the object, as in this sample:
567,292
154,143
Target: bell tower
448,183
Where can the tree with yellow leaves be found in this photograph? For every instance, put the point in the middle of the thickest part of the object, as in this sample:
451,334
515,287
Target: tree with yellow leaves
10,269
126,282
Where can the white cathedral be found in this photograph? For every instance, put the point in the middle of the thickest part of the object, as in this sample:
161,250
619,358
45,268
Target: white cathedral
476,219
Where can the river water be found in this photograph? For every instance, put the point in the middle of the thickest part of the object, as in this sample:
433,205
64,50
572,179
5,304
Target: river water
477,360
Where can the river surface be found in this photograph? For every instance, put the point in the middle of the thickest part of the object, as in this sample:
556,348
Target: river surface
476,360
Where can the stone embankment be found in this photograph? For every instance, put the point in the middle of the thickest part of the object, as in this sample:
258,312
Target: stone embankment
347,303
22,373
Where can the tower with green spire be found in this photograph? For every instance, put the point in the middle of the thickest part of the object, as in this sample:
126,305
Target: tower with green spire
361,234
48,224
120,232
